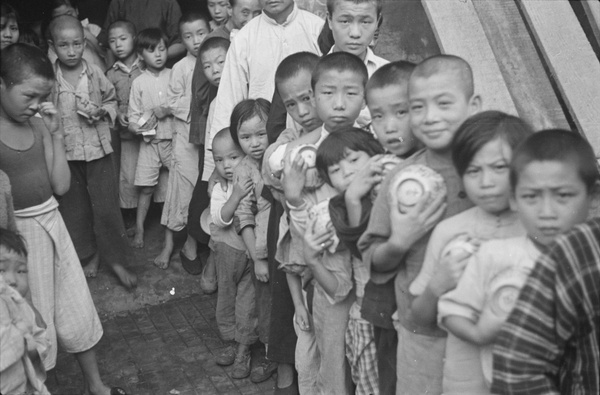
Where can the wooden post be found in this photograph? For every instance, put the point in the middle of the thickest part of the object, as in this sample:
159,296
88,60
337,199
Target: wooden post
571,60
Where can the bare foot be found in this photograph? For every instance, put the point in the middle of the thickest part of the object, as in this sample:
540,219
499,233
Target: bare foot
138,240
162,260
130,231
129,280
91,269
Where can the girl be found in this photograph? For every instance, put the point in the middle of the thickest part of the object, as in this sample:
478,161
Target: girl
248,130
9,25
349,161
32,153
481,152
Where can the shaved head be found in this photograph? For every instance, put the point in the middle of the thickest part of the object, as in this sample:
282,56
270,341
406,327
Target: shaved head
453,66
64,22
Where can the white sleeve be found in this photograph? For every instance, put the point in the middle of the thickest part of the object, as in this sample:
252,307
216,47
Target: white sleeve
217,200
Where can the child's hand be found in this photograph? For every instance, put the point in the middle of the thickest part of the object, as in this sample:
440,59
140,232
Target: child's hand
123,119
97,115
215,179
50,117
293,179
261,270
241,188
160,112
365,179
315,243
450,269
410,226
302,318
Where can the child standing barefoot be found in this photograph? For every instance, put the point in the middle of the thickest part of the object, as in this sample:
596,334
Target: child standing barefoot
32,152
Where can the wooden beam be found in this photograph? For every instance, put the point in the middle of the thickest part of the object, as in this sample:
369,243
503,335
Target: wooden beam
523,71
571,60
459,32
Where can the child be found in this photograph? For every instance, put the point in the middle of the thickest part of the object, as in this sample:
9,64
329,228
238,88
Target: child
220,11
212,55
24,340
293,81
481,153
183,172
86,100
348,161
235,312
33,153
387,99
248,121
127,67
394,243
554,180
338,82
148,100
250,66
9,25
548,343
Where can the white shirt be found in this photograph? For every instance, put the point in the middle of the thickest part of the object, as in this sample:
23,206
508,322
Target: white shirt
180,88
254,55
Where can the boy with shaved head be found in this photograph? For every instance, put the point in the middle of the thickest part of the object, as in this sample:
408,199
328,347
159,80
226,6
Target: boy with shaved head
441,97
87,102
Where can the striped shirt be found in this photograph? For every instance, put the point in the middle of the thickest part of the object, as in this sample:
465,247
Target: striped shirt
550,343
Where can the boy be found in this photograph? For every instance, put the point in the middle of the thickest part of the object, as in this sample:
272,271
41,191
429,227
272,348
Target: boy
219,12
251,63
148,100
212,56
183,173
235,312
127,67
548,344
338,83
86,100
22,330
441,97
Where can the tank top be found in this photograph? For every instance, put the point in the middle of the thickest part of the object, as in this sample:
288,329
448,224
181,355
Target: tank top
27,170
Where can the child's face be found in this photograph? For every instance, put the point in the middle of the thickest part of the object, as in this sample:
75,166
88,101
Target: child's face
157,58
297,95
121,43
274,8
69,44
13,268
192,34
226,156
244,11
219,10
342,173
252,135
212,64
390,119
9,29
21,101
486,179
65,10
438,106
353,26
339,97
551,198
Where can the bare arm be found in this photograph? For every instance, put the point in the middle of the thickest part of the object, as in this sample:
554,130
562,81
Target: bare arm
54,150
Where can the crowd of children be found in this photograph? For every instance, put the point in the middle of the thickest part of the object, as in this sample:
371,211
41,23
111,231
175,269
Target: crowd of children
365,221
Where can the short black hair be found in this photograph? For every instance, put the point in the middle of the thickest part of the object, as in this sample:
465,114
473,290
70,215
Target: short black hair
482,128
20,61
13,241
7,11
293,64
246,110
556,145
340,61
125,24
333,148
149,39
213,43
446,64
395,73
378,5
193,16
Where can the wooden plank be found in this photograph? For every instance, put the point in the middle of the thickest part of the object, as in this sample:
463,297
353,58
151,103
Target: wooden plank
459,32
521,66
592,10
571,60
